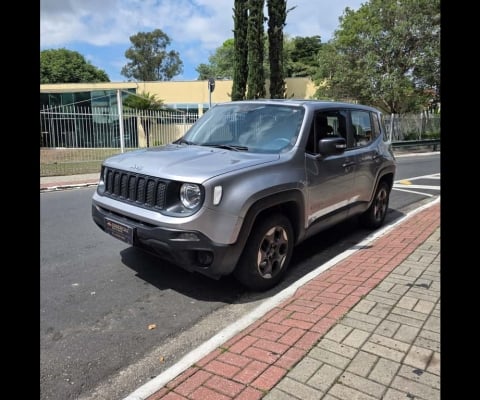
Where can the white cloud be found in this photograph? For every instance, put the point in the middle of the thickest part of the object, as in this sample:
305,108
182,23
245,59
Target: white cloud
195,27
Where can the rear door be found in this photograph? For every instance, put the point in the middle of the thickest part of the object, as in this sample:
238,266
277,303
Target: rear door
365,129
330,178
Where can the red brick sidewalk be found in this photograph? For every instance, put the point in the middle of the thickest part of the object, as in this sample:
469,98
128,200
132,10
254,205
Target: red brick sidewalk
255,360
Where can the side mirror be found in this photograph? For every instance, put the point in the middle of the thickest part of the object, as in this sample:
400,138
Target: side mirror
332,145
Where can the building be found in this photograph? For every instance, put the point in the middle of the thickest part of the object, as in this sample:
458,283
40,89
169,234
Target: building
189,96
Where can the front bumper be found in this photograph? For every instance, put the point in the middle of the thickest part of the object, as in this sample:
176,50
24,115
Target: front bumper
190,250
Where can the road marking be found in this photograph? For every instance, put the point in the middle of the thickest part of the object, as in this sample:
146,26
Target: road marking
414,192
227,333
403,184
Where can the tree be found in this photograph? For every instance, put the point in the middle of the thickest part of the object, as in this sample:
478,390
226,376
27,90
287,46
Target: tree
387,54
277,14
143,101
221,63
150,61
255,40
240,49
303,56
67,66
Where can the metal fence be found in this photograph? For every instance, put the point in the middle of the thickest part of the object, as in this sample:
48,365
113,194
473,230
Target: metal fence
413,126
75,140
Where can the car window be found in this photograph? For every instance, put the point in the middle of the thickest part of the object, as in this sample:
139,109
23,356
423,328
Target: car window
362,128
331,123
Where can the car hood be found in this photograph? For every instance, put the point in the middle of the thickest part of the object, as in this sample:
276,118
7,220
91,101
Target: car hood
186,162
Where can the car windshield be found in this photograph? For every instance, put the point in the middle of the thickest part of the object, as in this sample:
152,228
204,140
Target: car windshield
260,128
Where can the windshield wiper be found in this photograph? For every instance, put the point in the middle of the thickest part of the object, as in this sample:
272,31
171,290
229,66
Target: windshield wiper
228,146
182,141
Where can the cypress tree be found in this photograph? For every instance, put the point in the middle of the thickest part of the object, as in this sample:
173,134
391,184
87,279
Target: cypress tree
277,14
255,36
240,66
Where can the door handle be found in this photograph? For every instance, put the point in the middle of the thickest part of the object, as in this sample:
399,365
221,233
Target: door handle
348,164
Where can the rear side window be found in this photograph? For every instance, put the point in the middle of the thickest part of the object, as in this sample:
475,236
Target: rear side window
366,127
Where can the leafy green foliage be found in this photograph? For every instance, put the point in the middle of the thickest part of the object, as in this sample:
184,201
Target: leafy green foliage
143,101
255,40
387,54
150,60
277,15
240,50
221,63
303,56
67,66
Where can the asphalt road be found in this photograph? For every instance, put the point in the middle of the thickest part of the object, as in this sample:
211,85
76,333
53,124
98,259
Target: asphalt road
113,317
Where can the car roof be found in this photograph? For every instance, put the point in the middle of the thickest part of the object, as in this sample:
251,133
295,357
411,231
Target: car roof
309,103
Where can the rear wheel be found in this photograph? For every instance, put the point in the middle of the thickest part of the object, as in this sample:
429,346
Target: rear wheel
375,215
267,253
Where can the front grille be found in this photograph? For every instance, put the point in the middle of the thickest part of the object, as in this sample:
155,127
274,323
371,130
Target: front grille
143,190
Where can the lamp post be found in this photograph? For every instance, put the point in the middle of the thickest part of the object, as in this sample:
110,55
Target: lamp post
211,88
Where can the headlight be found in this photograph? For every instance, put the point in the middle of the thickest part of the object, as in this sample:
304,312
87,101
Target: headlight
101,182
190,195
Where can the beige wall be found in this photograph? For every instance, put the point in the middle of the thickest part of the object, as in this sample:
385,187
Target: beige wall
195,92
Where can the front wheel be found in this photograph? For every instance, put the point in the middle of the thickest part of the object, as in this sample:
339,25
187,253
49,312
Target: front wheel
267,253
375,215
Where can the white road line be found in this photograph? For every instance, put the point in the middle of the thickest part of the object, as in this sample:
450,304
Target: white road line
227,333
404,185
413,191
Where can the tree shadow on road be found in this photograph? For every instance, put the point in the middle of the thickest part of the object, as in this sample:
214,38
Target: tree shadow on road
307,256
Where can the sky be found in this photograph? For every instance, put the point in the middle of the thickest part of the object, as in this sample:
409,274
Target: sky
100,30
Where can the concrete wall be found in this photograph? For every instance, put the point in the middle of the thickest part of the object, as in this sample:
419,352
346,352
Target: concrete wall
194,92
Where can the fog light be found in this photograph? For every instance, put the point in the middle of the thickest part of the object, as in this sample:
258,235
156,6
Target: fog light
204,258
187,237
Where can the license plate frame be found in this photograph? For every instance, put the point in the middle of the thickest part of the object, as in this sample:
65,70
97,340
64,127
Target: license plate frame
119,230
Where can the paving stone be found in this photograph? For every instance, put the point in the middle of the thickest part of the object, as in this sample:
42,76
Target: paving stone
384,371
328,357
420,376
362,363
407,302
277,394
343,392
405,320
383,351
305,369
355,323
410,314
380,310
362,384
325,377
427,344
388,342
364,306
356,338
418,357
387,328
297,389
415,389
434,365
338,332
433,324
406,333
339,348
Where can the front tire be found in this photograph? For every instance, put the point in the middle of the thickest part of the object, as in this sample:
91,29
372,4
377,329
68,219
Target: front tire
375,215
267,253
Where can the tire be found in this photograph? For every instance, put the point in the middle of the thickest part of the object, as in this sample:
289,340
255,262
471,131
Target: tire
375,215
267,253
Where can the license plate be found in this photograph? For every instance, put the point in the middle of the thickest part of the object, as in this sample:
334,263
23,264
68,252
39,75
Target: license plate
120,231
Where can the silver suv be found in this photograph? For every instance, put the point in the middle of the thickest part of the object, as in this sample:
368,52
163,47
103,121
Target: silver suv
248,182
